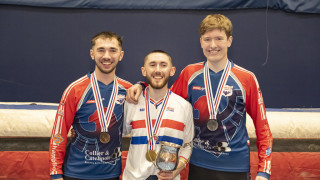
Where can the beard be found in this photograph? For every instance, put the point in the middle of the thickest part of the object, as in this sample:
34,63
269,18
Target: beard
157,85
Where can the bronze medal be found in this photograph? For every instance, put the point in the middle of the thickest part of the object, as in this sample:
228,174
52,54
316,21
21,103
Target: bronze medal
212,124
104,137
151,155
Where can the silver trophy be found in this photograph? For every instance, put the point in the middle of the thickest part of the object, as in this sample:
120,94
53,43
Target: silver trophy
167,158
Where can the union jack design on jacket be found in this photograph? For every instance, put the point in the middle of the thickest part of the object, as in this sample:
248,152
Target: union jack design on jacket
176,127
86,157
226,149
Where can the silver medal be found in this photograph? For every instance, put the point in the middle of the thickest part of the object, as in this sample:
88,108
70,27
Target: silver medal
212,124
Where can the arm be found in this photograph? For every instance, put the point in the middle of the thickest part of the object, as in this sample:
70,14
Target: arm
134,92
180,86
262,177
188,135
126,122
63,121
256,109
185,150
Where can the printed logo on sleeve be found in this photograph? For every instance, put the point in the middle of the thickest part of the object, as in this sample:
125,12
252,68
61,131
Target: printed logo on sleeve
57,139
268,151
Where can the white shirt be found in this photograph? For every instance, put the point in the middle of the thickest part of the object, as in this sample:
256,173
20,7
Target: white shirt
177,126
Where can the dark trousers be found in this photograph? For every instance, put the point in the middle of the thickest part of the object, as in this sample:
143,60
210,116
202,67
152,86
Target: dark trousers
152,177
199,173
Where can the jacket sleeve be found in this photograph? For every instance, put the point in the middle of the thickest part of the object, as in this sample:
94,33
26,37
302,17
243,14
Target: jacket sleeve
63,121
180,86
126,121
256,109
188,134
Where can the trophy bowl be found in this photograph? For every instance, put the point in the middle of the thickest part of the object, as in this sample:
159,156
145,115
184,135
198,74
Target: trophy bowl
167,157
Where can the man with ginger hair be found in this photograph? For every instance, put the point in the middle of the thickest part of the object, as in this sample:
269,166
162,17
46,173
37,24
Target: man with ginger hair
221,93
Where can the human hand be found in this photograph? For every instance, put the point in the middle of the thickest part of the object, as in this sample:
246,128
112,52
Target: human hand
167,175
261,178
73,133
133,94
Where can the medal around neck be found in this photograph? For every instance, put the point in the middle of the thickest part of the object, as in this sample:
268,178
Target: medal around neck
151,155
104,117
212,124
214,101
104,137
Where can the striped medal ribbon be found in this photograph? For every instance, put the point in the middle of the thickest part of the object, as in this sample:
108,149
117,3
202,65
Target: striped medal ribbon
214,101
104,118
153,131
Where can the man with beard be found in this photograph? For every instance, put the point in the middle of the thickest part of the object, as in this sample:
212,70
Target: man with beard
93,106
160,116
222,93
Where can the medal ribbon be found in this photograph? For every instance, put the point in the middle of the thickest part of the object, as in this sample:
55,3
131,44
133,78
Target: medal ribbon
150,130
104,118
213,102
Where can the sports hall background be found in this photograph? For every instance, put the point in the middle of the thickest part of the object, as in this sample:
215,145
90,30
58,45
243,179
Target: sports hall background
44,46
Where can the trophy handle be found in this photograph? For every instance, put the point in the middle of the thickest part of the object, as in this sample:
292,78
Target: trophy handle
187,144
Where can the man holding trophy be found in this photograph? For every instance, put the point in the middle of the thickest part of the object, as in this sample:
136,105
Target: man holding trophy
161,125
222,94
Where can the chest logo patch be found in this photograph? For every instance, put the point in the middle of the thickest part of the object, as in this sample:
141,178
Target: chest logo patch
198,88
91,101
170,109
120,99
227,91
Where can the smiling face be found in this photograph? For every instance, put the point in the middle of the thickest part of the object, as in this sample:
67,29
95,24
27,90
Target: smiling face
106,53
157,69
215,39
215,44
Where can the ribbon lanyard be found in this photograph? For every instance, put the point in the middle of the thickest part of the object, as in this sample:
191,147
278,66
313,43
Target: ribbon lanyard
154,130
104,118
214,101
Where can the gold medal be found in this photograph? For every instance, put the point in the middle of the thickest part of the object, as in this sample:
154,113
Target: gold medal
212,124
151,155
104,137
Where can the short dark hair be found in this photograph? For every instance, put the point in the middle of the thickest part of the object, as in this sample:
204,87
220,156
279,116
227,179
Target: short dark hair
106,35
158,51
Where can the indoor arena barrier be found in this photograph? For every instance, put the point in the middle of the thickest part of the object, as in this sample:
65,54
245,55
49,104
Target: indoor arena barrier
25,129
